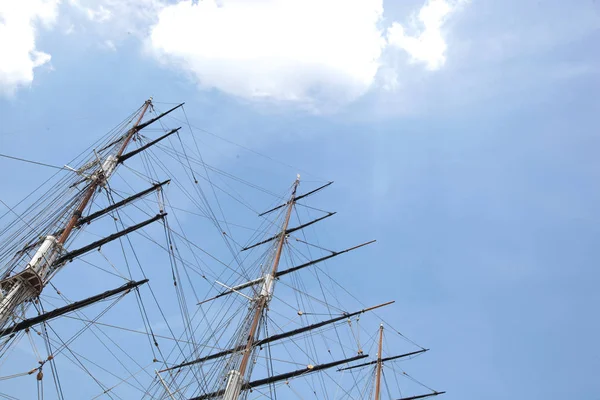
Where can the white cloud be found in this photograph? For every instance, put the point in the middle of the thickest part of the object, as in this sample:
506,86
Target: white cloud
116,19
291,50
429,46
312,52
70,29
19,21
109,45
101,14
278,49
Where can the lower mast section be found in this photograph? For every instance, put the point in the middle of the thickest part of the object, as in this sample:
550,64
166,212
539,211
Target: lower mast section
28,283
379,365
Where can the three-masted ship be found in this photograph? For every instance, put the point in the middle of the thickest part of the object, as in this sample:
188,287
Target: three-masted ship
138,271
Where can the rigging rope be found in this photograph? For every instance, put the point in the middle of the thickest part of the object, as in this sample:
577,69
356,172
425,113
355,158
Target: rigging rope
32,162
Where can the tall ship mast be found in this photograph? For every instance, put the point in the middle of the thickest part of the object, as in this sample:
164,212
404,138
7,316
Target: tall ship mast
143,269
375,387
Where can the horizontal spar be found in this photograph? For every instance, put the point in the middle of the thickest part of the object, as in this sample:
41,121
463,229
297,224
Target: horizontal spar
288,231
76,253
277,337
317,325
97,214
287,375
234,289
285,271
69,308
385,359
153,120
295,199
421,396
144,147
318,260
140,127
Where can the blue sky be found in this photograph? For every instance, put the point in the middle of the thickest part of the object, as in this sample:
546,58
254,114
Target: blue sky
472,158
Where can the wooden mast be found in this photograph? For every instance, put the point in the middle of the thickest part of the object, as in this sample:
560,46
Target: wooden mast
95,183
264,298
21,287
379,364
235,380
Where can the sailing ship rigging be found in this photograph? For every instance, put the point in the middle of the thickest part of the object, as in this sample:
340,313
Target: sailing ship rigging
376,386
223,311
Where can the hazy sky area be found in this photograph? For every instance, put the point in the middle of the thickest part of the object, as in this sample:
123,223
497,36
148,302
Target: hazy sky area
461,134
